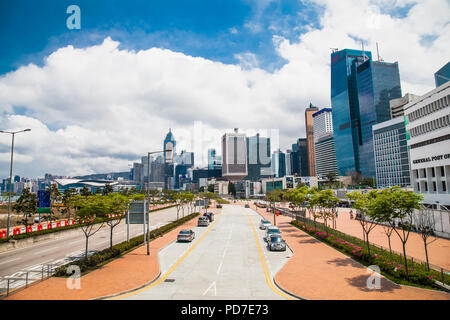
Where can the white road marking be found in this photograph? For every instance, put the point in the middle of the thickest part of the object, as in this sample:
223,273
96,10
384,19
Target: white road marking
220,267
10,260
212,285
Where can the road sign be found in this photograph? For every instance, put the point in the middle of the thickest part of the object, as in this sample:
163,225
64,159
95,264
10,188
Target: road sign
43,199
136,212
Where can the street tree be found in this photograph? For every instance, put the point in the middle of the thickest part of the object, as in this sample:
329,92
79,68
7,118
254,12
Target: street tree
67,198
115,204
365,204
397,205
107,189
89,209
85,192
26,205
273,196
424,224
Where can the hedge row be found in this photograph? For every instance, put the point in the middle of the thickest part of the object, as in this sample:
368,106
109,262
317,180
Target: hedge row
104,256
47,231
390,265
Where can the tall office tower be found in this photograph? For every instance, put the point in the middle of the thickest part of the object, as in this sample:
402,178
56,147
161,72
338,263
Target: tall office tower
397,105
377,82
157,169
211,158
138,172
258,158
184,158
169,144
302,144
442,75
279,164
310,139
324,143
345,108
295,160
234,156
288,163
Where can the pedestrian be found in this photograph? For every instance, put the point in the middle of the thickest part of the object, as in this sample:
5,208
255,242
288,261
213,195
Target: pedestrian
351,214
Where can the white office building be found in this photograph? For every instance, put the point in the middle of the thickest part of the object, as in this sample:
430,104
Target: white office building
391,153
234,156
429,128
324,143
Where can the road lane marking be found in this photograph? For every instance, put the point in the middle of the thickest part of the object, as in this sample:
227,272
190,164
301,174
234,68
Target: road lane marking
212,285
161,279
263,263
10,260
220,267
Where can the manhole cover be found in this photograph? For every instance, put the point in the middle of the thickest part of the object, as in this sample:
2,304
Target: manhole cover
169,280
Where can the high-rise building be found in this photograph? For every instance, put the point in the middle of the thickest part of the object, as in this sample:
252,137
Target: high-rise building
258,158
302,144
429,127
378,82
391,153
397,105
234,155
345,108
288,162
138,172
310,138
442,75
279,164
214,160
169,169
325,153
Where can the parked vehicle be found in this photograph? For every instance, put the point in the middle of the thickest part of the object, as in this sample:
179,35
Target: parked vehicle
219,206
247,205
271,230
276,243
186,235
264,224
203,221
209,215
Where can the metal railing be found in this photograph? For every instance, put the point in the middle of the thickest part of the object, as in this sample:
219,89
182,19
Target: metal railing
23,278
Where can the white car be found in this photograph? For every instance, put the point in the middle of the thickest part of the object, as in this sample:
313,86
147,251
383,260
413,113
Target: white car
264,224
271,230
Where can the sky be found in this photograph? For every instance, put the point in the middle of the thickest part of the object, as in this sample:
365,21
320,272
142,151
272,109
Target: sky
98,98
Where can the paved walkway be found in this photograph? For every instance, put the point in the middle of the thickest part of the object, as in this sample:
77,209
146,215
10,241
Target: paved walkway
130,271
317,271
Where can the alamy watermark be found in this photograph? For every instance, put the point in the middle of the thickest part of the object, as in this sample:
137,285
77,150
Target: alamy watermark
74,280
74,20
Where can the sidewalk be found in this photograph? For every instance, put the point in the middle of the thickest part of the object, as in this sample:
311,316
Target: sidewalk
127,272
317,271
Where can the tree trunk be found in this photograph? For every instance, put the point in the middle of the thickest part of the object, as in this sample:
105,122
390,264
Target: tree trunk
86,252
368,244
390,250
426,254
110,238
405,259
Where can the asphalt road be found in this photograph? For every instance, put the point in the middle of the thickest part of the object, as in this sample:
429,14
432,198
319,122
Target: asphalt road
227,260
56,251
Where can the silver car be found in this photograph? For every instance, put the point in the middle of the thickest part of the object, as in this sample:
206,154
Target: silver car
203,221
271,230
276,243
186,235
264,224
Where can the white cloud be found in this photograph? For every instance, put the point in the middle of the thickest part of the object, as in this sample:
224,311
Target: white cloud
99,108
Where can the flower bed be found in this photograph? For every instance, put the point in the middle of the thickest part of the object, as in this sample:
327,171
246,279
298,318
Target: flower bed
391,267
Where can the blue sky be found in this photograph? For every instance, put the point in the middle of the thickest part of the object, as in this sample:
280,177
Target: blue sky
99,98
216,30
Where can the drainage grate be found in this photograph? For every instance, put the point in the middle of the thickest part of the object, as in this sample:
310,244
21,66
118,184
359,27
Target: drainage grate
169,280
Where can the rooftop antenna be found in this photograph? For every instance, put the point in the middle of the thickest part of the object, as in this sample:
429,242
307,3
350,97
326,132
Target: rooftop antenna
378,54
364,54
333,50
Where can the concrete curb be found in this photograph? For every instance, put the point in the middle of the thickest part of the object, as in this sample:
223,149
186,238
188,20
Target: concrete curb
287,292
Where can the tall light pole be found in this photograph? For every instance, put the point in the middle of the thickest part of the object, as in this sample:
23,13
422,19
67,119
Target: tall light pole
148,195
12,133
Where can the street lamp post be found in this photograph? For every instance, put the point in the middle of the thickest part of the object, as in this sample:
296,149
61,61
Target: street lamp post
12,133
148,196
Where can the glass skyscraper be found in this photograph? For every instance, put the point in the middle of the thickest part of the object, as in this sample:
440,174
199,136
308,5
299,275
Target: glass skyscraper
345,106
378,83
258,158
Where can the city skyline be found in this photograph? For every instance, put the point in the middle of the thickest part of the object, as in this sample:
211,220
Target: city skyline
64,86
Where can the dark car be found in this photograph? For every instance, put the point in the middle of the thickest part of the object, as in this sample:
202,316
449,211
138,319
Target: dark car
209,215
186,235
219,206
247,205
